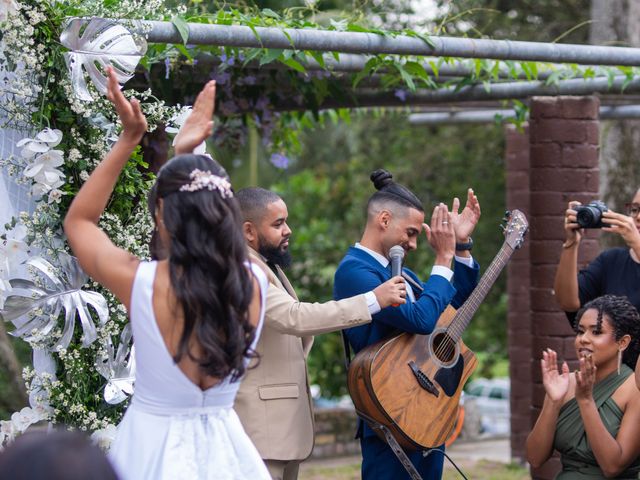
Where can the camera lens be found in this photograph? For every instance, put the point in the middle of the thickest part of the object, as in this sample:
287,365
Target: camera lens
588,216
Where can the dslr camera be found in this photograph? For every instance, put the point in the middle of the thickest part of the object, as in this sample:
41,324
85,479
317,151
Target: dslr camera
590,215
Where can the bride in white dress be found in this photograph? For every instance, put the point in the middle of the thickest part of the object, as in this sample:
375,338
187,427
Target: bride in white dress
196,316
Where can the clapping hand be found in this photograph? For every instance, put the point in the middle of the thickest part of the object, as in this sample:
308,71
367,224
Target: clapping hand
134,124
199,124
585,378
465,222
556,383
441,235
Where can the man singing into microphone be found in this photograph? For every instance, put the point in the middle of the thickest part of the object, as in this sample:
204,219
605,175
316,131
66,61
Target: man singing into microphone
395,217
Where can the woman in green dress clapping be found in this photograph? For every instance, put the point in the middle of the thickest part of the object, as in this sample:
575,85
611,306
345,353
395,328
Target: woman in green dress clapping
592,416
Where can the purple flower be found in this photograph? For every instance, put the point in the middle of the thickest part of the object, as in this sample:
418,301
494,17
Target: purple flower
401,94
262,103
279,161
222,78
229,107
249,80
167,68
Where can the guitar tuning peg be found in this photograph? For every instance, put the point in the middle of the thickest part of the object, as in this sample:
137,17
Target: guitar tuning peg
507,214
502,226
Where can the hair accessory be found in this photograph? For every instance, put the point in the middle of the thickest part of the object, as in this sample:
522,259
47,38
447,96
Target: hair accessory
205,179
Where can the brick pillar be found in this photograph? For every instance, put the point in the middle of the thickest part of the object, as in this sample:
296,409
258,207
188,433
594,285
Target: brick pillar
564,166
518,284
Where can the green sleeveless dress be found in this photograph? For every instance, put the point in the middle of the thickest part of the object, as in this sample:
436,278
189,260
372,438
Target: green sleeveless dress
578,461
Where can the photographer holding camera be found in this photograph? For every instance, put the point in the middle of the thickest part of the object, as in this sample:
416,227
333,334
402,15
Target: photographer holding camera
615,271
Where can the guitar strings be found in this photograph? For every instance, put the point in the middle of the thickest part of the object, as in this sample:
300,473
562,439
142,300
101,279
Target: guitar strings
453,332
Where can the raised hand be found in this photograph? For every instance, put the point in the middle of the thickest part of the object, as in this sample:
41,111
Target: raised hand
465,222
199,124
441,235
585,378
556,383
392,292
134,124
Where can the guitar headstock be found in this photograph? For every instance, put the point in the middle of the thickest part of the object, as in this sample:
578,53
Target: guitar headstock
515,229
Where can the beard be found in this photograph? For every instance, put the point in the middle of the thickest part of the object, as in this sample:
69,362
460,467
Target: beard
275,254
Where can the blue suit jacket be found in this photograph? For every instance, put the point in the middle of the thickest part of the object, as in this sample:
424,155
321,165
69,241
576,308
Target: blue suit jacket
359,272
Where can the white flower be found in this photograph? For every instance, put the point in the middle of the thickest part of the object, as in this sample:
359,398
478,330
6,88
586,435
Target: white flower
104,437
25,418
178,120
43,168
55,196
7,7
44,141
14,250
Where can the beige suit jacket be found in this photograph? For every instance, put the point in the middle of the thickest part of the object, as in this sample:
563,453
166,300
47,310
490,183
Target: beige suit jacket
274,403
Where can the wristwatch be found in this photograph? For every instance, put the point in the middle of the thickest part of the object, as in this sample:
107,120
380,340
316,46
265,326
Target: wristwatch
465,246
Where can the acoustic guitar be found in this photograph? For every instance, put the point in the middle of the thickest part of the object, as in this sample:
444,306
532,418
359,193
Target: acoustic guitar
412,383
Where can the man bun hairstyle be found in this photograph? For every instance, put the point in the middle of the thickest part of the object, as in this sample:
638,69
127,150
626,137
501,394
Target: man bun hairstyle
390,191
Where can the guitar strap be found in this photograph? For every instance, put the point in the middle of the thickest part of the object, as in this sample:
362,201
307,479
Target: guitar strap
375,426
395,447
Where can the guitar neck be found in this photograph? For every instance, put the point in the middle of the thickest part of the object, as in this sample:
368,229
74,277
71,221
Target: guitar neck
466,312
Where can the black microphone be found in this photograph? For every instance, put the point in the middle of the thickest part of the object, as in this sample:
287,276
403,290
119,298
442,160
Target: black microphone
396,255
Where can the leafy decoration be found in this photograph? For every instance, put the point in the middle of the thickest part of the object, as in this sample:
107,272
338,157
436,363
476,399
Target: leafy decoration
95,44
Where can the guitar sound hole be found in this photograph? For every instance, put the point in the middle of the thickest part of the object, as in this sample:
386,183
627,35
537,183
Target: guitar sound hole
444,348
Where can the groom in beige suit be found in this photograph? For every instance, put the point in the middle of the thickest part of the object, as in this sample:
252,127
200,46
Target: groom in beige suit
274,403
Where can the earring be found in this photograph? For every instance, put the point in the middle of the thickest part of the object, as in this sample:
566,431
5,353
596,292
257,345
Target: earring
619,360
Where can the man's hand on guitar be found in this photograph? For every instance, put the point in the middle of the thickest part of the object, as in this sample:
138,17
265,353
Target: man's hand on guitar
465,222
441,235
392,292
556,382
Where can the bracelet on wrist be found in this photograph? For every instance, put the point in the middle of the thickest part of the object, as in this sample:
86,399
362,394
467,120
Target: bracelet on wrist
570,243
460,247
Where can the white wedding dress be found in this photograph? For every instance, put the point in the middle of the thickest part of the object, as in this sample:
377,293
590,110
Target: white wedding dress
172,428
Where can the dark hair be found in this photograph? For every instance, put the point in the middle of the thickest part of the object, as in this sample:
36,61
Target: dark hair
57,455
156,249
390,191
207,257
624,320
253,200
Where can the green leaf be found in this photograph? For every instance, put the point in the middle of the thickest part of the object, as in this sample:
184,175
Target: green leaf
271,55
182,26
267,12
421,36
416,69
369,67
294,64
252,55
318,58
406,77
434,67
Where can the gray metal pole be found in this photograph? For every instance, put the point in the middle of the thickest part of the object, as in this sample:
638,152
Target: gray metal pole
497,91
370,43
489,116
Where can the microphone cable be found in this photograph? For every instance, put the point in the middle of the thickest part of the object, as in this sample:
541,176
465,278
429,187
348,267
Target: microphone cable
426,453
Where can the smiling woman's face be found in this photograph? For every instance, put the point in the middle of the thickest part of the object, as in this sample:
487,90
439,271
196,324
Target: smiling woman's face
597,341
